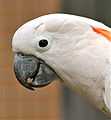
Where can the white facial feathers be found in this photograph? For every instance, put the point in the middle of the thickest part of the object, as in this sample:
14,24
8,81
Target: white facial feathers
46,26
68,44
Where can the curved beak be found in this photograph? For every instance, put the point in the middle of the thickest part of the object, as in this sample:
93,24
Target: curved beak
32,72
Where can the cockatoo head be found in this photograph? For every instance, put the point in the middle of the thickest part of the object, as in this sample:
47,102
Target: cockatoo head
43,48
75,49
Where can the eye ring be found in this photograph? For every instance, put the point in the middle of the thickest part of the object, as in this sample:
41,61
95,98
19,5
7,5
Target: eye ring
43,44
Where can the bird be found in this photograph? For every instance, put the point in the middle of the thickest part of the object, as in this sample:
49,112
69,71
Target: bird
73,49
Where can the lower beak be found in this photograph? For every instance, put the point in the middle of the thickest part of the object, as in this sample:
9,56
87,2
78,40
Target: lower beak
32,72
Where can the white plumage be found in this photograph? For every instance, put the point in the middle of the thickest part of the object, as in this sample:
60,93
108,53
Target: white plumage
77,53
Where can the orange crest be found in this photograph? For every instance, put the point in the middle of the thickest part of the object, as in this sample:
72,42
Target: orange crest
105,33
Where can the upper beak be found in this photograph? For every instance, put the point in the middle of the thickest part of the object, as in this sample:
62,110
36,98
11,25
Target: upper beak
32,72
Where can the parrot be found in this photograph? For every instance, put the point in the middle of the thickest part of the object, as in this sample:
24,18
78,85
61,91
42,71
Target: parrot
73,49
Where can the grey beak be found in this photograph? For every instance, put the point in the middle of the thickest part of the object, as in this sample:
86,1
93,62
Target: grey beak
32,72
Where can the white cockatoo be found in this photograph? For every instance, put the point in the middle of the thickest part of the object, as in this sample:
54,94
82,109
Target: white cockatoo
75,49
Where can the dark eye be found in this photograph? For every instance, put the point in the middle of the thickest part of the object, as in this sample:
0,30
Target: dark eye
43,43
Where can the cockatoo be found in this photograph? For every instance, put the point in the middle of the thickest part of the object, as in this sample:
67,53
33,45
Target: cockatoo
75,49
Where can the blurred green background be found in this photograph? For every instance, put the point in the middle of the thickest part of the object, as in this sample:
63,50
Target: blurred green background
54,102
